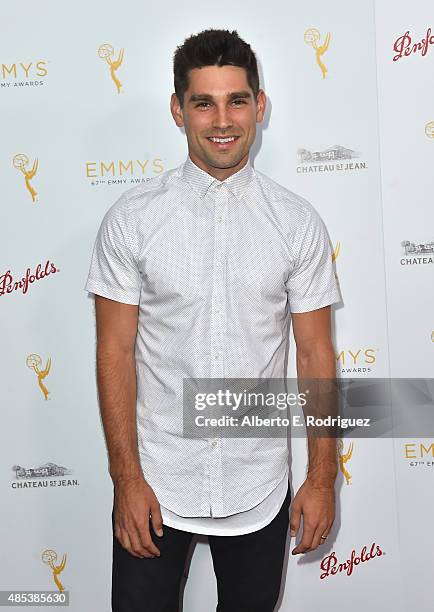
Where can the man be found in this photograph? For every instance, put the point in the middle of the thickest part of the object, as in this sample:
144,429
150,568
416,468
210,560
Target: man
196,274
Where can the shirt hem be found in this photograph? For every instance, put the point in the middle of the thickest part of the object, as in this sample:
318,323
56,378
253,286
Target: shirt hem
98,288
226,531
326,300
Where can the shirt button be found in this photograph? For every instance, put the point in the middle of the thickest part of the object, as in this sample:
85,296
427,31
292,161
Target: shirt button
216,356
219,219
214,443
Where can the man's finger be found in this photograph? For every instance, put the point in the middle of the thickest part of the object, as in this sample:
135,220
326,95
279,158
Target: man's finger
125,541
137,545
157,519
306,540
130,544
294,520
320,531
145,536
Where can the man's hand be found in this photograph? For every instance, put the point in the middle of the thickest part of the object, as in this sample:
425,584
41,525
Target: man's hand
317,504
134,501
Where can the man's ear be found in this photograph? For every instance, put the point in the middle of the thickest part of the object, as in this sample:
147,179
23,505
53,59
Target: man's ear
176,110
261,103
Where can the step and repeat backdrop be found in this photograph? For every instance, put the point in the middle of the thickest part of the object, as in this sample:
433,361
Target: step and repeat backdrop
84,95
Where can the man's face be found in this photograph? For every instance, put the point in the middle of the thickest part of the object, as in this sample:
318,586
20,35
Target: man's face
219,104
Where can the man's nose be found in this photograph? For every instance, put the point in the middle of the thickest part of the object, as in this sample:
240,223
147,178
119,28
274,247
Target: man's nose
222,118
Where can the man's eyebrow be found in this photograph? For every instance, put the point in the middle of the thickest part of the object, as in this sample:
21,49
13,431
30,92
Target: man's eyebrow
231,96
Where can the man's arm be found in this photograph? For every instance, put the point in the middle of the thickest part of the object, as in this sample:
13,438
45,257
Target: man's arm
135,501
315,498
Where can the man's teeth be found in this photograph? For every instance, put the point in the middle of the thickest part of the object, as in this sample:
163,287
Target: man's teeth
222,139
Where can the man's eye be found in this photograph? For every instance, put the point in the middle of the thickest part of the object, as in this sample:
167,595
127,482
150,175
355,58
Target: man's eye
202,104
239,101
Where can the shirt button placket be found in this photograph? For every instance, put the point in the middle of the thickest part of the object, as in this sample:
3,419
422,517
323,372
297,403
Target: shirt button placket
218,286
218,323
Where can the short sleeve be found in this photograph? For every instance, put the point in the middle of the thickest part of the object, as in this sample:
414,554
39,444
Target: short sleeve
312,283
114,272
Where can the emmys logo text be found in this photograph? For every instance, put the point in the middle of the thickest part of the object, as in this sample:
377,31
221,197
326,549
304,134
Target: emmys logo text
404,45
356,360
413,451
330,565
12,74
8,284
420,454
123,171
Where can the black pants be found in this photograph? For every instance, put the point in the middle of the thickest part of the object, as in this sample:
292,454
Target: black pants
248,569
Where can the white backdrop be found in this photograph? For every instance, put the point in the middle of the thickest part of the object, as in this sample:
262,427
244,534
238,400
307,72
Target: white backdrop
358,143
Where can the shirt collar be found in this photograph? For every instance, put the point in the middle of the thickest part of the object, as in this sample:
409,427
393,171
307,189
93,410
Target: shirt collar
201,181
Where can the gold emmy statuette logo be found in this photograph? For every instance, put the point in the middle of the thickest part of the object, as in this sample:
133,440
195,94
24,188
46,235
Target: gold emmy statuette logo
344,458
429,129
432,336
312,37
336,251
49,557
106,52
20,162
34,361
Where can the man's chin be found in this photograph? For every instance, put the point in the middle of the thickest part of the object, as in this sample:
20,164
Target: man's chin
223,162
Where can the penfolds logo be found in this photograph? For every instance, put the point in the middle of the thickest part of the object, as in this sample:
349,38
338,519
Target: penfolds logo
8,284
330,565
405,46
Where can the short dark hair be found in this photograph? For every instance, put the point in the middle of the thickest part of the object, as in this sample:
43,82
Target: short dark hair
213,48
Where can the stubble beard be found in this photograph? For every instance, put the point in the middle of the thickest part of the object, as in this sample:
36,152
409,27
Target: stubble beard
224,160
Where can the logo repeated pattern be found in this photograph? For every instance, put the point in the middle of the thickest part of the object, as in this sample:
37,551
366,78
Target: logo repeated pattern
108,168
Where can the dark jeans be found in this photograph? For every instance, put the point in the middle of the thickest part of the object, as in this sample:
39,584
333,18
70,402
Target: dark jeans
248,569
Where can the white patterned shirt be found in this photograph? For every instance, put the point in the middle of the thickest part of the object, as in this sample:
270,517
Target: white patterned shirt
216,268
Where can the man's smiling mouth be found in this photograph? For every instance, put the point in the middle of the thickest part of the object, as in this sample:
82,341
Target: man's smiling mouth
222,140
